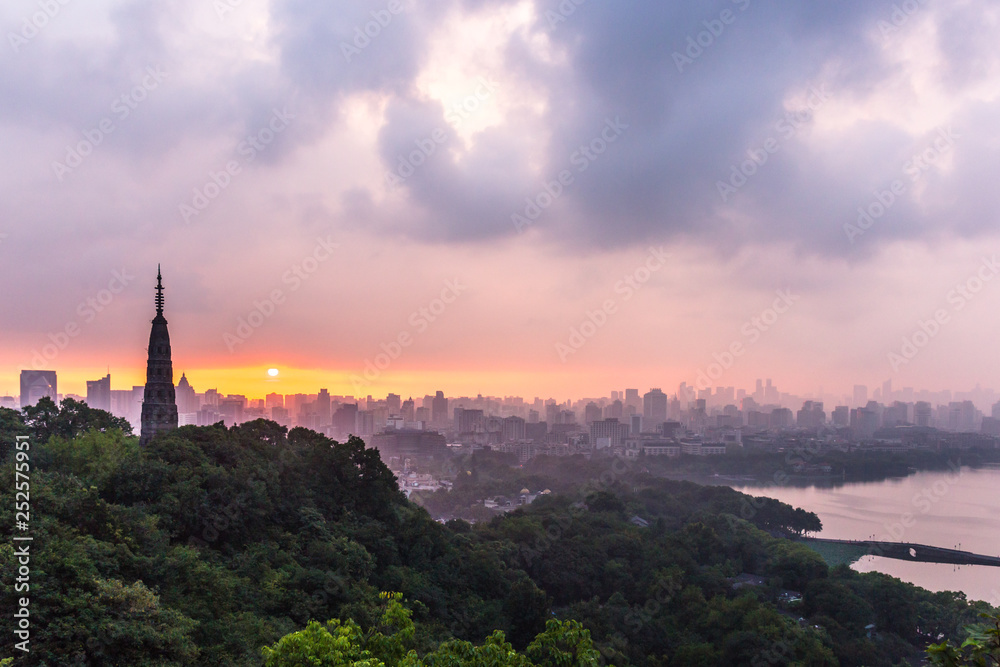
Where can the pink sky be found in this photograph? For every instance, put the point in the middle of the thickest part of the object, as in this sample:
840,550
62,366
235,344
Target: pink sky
362,187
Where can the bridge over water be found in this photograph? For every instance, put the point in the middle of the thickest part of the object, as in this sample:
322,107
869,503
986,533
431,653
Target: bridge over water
851,550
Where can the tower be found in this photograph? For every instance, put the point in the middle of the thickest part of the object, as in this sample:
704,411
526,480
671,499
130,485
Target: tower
159,406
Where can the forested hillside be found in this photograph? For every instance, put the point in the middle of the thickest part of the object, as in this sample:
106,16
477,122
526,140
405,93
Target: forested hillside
213,543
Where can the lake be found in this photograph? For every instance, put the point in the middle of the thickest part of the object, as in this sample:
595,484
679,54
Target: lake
956,509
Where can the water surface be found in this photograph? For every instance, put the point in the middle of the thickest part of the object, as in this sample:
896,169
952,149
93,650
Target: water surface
958,509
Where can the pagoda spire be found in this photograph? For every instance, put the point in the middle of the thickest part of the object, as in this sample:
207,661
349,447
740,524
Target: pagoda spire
159,401
159,292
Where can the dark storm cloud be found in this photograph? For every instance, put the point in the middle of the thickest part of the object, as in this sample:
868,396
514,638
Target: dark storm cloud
691,113
694,112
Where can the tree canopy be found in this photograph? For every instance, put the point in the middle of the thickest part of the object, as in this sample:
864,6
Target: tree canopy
212,543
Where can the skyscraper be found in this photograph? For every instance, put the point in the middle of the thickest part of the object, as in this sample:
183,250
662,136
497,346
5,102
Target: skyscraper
654,406
407,409
36,384
632,398
439,409
159,406
186,397
323,408
99,393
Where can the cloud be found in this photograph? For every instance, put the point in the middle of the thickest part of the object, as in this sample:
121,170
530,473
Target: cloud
689,128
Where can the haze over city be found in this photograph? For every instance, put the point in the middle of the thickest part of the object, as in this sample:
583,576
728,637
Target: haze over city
543,200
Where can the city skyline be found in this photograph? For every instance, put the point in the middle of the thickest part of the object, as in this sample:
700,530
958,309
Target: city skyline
766,393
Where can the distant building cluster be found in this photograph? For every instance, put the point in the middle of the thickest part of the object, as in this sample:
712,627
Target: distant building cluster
630,424
691,422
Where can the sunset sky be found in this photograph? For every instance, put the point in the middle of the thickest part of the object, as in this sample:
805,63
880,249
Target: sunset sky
526,197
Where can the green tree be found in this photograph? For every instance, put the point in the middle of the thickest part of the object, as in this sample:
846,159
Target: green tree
344,643
980,649
69,419
11,426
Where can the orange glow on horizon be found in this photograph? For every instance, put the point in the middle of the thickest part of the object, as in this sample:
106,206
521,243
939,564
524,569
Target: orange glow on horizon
255,382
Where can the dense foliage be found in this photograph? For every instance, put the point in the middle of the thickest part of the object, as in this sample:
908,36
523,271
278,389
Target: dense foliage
212,543
390,644
980,649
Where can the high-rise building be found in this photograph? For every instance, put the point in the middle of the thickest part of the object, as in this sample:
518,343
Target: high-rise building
121,404
231,410
592,413
187,398
468,421
864,422
512,429
654,406
323,408
37,384
159,406
635,424
811,415
407,409
345,419
841,415
365,423
632,398
439,409
212,398
771,394
608,433
99,393
780,418
961,416
393,402
922,413
895,414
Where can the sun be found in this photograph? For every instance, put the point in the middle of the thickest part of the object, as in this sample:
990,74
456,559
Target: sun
273,372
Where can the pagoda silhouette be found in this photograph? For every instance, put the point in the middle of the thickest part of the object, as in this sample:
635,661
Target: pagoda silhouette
159,403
